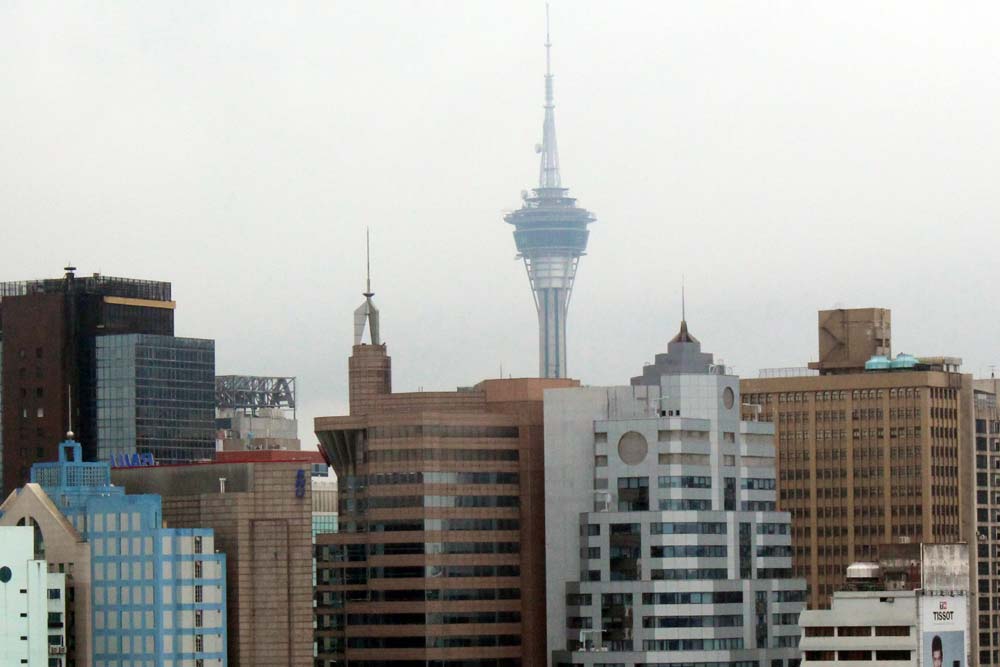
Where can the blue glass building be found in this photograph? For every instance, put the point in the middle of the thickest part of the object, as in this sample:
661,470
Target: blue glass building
155,394
158,594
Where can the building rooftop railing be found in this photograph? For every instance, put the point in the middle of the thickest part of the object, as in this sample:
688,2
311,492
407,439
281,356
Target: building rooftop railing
133,288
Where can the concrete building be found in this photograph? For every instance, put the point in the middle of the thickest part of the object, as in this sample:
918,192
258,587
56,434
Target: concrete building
550,232
259,506
139,593
155,396
48,330
870,450
925,624
254,412
986,554
439,557
663,542
31,620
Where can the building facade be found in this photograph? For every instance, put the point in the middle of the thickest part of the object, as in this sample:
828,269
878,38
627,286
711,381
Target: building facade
47,334
925,624
259,508
869,451
150,596
986,554
31,620
155,395
664,542
439,555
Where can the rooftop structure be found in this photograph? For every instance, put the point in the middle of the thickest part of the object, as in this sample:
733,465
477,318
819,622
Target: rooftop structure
550,232
254,412
924,624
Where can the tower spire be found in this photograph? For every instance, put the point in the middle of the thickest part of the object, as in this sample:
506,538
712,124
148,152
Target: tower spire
548,170
367,313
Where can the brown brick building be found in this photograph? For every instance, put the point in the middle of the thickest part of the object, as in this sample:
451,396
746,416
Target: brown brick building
871,450
259,505
440,555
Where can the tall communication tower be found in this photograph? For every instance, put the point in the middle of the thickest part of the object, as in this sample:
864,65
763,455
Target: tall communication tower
550,231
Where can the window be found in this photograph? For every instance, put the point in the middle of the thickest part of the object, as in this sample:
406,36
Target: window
199,643
197,569
40,413
198,618
197,544
199,593
55,593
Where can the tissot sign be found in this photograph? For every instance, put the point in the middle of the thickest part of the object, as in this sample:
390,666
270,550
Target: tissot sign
943,622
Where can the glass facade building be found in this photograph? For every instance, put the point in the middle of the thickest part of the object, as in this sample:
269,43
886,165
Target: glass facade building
158,595
155,394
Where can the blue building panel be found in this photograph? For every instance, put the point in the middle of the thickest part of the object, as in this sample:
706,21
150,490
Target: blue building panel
158,594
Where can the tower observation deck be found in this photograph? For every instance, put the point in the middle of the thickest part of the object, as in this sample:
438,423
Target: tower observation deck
550,232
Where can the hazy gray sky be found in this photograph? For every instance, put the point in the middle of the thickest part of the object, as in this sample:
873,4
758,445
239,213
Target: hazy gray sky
783,156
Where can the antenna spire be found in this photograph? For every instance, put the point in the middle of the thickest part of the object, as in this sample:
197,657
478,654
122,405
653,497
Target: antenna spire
367,313
548,171
683,305
69,412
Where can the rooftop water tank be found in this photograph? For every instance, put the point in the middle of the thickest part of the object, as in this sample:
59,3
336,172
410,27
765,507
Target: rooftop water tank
903,360
878,363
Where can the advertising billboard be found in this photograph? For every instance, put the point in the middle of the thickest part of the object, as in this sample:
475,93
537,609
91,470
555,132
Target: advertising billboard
943,620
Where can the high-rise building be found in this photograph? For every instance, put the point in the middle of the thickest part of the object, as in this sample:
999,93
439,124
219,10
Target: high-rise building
439,555
155,395
32,603
663,542
138,592
48,357
986,550
870,450
259,506
254,412
550,232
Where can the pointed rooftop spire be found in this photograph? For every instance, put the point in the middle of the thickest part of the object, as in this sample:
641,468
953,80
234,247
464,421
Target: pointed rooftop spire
548,170
683,336
367,313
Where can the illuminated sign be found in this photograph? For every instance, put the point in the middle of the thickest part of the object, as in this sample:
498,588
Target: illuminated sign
132,460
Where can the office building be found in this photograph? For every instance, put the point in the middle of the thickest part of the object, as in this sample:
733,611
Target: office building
31,603
254,412
870,448
259,506
48,357
139,594
439,555
924,624
550,232
664,545
155,395
986,554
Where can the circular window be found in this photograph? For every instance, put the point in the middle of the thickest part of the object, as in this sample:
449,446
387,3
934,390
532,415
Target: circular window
632,448
5,574
728,398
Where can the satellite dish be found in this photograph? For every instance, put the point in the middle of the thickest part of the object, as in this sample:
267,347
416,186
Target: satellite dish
538,148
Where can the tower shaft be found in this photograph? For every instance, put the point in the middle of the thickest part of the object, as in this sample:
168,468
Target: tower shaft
551,278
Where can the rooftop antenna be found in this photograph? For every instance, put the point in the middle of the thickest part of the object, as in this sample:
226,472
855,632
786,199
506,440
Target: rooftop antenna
683,304
69,412
367,312
548,176
368,264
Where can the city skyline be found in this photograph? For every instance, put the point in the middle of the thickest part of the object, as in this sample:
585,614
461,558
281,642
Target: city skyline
783,162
